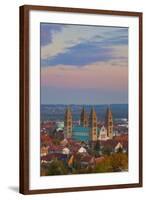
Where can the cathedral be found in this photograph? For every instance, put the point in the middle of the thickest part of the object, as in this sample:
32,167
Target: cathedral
88,130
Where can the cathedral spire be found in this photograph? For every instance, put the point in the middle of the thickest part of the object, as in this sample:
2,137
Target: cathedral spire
93,125
84,118
109,122
68,122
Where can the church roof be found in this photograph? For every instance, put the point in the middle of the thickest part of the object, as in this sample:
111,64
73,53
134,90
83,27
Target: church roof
81,129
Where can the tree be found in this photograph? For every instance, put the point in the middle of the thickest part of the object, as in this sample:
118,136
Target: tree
119,162
57,167
97,145
113,163
120,150
77,162
104,166
107,150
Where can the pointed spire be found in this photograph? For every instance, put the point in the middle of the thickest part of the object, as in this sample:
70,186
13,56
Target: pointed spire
92,109
68,110
83,111
93,124
108,107
84,118
68,122
109,122
93,112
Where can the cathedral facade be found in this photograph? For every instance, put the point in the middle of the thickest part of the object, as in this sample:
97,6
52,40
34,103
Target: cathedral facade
88,129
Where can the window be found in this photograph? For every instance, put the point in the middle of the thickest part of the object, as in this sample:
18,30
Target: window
110,123
69,123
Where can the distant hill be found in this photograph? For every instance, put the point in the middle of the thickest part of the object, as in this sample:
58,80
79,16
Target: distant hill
56,111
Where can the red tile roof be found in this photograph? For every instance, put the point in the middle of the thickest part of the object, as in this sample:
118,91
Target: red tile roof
99,159
49,157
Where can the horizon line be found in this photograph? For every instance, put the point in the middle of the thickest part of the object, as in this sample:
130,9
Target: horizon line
84,104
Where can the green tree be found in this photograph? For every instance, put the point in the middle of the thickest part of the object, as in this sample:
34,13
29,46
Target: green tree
107,150
97,145
113,163
57,167
104,166
77,162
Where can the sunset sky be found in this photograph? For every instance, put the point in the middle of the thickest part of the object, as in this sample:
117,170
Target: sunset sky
83,64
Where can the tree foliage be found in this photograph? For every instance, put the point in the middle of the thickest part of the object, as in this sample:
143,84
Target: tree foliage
113,163
119,162
57,167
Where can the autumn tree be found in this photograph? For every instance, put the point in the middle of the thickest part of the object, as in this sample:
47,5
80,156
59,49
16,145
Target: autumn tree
119,161
113,163
57,167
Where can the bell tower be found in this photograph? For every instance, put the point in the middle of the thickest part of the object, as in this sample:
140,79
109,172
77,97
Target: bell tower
109,123
68,123
93,125
84,118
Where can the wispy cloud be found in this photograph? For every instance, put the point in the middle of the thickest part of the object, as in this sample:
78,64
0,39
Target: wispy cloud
47,31
119,52
86,55
72,35
101,76
84,63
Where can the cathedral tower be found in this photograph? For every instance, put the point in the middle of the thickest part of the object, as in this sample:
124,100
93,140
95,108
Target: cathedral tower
93,125
109,123
84,118
68,123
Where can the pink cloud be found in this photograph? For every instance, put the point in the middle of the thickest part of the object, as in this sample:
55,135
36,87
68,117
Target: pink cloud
100,75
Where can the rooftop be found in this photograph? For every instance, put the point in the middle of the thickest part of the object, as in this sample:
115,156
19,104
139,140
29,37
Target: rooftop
81,129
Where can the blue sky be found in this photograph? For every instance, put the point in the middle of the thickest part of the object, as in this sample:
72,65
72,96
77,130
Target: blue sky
68,51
